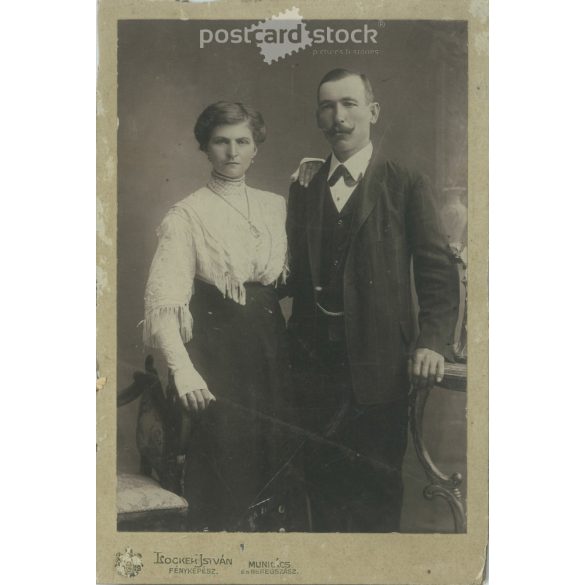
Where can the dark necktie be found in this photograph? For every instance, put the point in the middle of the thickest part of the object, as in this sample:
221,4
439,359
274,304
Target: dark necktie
341,171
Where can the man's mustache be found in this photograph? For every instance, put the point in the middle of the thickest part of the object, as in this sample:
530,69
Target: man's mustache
339,130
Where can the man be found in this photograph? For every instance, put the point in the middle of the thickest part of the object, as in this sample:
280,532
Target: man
353,233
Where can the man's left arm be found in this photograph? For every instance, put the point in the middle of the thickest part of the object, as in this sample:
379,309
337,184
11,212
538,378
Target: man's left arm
437,285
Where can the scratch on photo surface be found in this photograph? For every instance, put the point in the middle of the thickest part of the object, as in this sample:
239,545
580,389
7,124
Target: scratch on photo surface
102,284
100,383
101,228
479,9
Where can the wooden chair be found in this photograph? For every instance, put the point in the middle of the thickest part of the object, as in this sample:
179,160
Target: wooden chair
446,487
152,500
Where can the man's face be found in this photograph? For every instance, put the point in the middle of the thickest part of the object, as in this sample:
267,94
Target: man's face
345,115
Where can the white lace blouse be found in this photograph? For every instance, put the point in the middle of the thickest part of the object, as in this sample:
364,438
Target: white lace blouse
225,234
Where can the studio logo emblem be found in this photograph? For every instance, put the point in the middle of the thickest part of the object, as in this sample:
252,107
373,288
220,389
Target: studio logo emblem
128,563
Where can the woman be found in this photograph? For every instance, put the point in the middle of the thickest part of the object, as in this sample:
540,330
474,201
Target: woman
212,286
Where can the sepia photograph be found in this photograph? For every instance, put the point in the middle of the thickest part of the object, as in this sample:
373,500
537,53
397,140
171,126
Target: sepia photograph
291,297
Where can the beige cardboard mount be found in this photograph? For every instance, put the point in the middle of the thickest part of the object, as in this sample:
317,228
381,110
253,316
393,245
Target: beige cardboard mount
448,559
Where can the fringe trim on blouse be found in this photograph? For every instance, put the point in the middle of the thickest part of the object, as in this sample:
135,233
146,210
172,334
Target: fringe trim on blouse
229,287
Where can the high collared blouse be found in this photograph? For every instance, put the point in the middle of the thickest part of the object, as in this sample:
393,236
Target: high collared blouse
225,234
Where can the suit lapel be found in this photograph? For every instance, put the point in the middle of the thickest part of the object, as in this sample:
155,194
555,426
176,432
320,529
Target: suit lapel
372,185
316,193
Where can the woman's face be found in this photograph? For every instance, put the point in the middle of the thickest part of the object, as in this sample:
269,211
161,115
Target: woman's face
231,149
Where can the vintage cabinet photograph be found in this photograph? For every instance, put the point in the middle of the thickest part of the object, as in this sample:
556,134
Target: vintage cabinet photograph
294,240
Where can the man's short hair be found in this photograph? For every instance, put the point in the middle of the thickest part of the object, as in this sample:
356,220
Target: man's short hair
337,74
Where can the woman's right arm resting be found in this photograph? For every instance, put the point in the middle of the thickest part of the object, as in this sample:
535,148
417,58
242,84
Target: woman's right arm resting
168,323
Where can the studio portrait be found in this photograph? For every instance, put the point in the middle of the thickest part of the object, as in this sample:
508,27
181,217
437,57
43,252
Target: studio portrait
292,276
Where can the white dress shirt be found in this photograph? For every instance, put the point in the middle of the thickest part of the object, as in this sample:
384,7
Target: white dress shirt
356,166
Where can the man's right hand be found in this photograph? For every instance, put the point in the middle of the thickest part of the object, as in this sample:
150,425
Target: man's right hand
197,400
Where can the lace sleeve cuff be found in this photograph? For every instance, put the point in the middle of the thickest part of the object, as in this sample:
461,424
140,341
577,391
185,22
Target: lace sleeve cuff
156,319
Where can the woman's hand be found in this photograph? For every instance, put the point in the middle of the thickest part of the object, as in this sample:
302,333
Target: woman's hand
191,388
196,400
308,170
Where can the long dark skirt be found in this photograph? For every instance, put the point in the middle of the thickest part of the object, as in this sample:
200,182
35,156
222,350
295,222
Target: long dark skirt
237,460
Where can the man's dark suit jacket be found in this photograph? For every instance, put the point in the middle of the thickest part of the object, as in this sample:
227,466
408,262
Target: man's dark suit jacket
395,221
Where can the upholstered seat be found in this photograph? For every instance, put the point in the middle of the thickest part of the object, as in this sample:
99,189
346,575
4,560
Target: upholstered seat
144,505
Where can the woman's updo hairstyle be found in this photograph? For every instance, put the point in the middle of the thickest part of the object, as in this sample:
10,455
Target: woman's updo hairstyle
222,113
